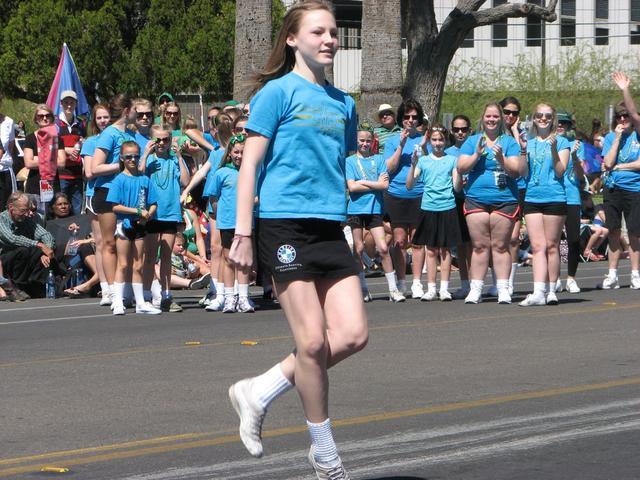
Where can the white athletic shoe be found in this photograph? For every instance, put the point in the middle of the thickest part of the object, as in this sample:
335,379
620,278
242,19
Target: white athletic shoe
551,298
106,300
493,291
251,416
337,472
504,297
429,295
395,296
510,290
635,282
609,283
559,286
118,309
215,305
445,296
460,293
156,301
147,308
533,299
206,299
571,286
244,306
417,291
474,296
229,304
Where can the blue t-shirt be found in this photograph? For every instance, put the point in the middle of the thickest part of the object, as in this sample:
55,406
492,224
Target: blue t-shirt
132,191
209,138
437,175
142,142
369,168
110,141
628,152
453,151
87,150
215,157
224,188
543,185
312,128
398,178
482,180
164,177
571,182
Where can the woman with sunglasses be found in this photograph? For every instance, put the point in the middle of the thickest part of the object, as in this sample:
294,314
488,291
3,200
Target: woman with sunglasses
143,121
621,152
43,118
402,206
172,118
545,203
511,110
491,160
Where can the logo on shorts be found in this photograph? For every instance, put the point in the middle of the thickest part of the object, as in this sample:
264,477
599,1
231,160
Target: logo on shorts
286,254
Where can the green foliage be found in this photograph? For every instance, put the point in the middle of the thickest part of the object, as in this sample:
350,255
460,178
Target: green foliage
19,110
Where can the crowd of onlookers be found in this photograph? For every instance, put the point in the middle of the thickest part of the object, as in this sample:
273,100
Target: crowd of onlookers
135,201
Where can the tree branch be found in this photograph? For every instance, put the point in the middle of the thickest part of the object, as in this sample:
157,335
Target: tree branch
490,16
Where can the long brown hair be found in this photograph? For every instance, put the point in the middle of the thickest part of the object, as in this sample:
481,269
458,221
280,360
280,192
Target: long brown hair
282,58
93,129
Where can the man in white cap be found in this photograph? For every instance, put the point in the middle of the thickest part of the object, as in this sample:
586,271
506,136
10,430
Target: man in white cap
7,177
388,125
72,131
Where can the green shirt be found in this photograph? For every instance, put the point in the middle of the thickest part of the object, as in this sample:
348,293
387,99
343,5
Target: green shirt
383,135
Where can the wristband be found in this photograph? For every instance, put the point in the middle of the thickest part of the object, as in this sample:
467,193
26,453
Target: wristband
139,211
523,152
239,236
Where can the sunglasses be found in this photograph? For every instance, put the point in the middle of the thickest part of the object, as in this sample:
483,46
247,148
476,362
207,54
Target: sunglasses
513,113
43,116
144,114
240,138
162,139
130,156
621,115
386,114
437,129
541,115
459,129
172,114
410,117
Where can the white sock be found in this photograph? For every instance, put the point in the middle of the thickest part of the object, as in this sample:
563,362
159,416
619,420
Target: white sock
229,292
613,273
444,285
476,284
363,281
156,289
138,293
235,287
539,288
326,452
551,287
118,292
635,273
512,275
464,284
431,287
270,385
391,281
243,290
104,288
502,284
416,281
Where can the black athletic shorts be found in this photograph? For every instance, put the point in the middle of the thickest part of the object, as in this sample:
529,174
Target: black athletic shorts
161,226
402,211
510,210
226,235
99,201
551,208
462,221
304,249
135,232
618,202
365,221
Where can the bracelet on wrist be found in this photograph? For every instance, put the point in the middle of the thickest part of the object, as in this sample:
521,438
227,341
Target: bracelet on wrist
240,236
139,211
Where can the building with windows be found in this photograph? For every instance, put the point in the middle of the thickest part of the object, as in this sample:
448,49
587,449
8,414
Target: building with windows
608,27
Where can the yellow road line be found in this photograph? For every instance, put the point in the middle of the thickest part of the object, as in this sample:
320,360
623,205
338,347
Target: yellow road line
522,313
227,439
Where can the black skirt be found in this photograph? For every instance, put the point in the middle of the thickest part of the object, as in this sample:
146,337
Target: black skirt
438,229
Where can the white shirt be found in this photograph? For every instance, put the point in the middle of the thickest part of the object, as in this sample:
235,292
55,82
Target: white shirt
7,137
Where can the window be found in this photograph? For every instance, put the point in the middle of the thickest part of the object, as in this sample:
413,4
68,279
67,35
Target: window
567,23
602,22
468,40
602,36
499,29
602,9
534,29
634,34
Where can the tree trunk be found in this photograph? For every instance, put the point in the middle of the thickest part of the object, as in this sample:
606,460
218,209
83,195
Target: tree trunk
252,43
381,79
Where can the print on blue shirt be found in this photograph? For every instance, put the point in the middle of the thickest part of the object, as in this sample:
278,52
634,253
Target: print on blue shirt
543,185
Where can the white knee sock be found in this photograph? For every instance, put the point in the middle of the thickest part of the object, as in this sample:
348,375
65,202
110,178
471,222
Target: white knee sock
270,385
138,293
243,290
391,280
512,275
118,292
326,452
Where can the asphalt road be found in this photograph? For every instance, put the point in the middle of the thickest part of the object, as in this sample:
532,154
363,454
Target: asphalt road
443,391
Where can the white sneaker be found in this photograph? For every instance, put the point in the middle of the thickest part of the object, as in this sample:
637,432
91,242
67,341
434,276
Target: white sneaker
445,296
244,306
417,291
474,296
395,296
206,299
533,299
635,282
118,309
429,295
366,296
493,291
215,305
336,472
571,286
251,416
551,298
559,286
156,301
609,283
148,309
460,293
504,297
510,290
229,305
106,301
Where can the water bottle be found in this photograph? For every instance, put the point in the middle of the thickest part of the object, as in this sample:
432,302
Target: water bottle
72,248
51,285
142,199
191,268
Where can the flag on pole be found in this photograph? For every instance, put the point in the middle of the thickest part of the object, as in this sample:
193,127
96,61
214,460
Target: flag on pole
67,79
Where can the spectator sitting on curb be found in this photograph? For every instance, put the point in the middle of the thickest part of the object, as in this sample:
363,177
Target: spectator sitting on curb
26,248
